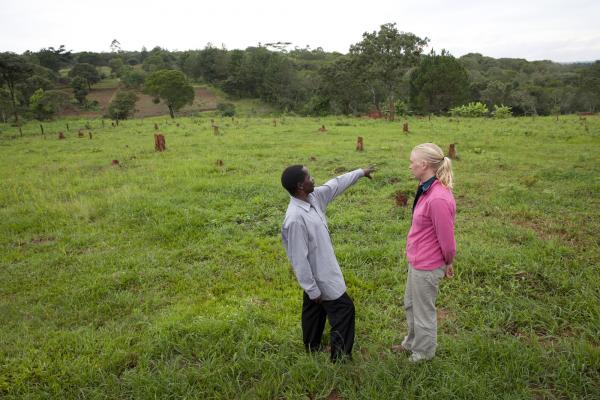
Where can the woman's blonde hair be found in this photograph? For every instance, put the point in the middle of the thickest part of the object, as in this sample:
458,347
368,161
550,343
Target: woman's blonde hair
434,157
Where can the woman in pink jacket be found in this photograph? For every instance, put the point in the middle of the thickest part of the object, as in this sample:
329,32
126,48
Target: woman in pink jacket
430,247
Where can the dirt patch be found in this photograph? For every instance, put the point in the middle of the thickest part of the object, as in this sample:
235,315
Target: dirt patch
334,396
442,314
540,392
331,396
465,202
102,96
34,241
401,199
546,231
204,100
42,240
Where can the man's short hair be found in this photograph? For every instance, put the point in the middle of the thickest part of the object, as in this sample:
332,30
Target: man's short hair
291,177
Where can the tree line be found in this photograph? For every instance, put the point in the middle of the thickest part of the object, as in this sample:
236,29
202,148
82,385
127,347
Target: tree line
387,72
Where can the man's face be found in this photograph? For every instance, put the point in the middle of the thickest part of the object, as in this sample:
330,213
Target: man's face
308,185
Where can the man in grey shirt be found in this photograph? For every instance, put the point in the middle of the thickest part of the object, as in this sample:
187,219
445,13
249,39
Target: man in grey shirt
306,239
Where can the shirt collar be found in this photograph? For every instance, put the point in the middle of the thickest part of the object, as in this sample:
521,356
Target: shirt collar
300,203
427,184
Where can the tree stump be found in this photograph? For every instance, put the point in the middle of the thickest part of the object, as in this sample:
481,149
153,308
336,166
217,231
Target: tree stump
452,151
61,135
391,115
115,162
405,127
359,144
155,126
220,163
322,129
159,142
401,199
80,133
215,130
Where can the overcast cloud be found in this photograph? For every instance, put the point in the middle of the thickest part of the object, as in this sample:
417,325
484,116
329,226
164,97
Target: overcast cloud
564,31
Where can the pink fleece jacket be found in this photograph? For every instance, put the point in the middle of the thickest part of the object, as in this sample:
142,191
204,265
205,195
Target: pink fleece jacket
430,243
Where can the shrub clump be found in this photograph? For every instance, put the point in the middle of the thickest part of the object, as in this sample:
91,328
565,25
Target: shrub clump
502,111
226,109
471,110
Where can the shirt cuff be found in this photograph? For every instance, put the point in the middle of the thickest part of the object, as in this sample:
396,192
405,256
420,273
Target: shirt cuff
314,293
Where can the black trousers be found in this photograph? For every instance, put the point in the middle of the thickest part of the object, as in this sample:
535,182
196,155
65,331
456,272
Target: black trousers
341,318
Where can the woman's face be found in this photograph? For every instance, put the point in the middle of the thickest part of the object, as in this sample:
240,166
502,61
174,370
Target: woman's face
417,165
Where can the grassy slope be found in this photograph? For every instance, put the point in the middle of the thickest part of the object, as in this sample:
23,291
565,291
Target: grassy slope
166,276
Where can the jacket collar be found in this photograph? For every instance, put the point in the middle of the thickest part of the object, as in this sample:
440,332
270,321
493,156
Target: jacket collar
428,183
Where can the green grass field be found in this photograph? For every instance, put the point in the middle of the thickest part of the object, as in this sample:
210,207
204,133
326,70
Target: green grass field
165,277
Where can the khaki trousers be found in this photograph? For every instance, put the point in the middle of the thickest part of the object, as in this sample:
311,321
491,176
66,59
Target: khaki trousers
419,304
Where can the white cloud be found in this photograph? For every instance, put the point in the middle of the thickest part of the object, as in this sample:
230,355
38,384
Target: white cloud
557,30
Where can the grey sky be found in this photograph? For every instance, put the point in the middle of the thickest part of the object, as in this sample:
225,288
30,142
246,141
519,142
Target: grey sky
557,30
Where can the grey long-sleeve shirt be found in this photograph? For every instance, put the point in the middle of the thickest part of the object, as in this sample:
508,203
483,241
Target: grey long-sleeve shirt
307,242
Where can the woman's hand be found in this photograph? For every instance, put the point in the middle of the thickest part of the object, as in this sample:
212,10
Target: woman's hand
449,271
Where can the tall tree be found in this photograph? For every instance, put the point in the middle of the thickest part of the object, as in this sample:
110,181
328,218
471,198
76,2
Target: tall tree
590,86
86,71
5,104
45,104
115,46
438,84
338,84
383,58
282,85
495,93
171,87
247,71
80,89
54,59
123,105
88,57
156,61
116,66
13,70
133,79
212,63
